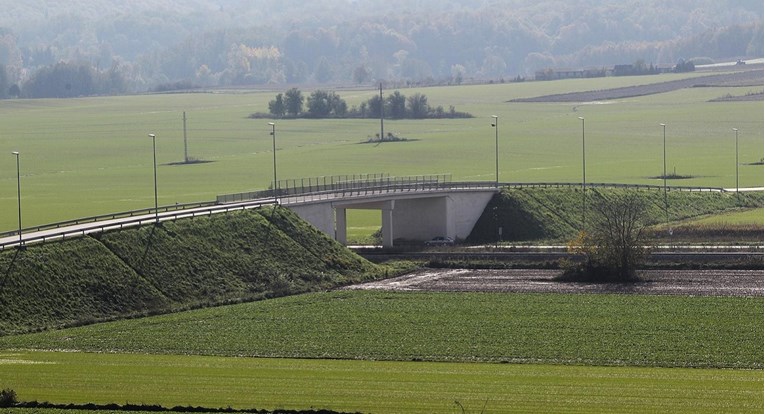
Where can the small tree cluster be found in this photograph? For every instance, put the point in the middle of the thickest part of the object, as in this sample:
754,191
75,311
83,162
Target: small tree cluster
399,106
324,104
684,66
614,245
8,398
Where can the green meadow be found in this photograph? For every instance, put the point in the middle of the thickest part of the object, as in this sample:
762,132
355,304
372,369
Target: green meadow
382,352
89,156
373,386
734,218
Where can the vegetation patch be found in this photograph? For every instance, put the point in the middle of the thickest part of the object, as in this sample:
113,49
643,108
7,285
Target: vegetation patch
389,137
593,329
152,408
323,104
375,386
188,263
555,214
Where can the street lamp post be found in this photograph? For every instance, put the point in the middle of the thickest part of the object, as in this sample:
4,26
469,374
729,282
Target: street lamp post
664,175
736,130
154,152
18,191
495,124
584,179
273,140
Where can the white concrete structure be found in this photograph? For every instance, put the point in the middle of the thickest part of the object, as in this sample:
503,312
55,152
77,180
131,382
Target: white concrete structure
409,216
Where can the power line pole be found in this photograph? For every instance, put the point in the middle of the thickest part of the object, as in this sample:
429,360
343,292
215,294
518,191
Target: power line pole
382,114
185,142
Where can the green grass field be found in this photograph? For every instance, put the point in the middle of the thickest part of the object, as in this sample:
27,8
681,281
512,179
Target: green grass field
90,156
374,386
489,352
638,330
745,217
607,349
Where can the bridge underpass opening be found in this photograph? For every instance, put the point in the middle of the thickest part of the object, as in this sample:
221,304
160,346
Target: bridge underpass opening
363,227
403,216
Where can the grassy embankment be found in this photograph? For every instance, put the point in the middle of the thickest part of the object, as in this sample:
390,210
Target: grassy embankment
555,214
248,256
173,266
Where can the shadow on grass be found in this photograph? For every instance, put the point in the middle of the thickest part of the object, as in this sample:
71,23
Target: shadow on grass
9,270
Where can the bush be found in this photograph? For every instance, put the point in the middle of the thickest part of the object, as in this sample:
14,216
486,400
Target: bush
614,246
8,398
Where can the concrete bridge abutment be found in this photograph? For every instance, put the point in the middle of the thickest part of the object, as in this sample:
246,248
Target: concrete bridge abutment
415,216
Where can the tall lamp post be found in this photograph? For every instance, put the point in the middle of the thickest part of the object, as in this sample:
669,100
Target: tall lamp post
154,152
18,191
664,175
584,179
736,130
495,124
273,140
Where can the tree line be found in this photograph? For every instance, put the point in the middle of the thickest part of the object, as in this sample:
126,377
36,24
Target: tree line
208,43
328,104
64,80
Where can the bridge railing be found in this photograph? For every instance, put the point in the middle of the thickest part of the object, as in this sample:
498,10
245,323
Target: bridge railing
343,184
110,216
84,228
616,185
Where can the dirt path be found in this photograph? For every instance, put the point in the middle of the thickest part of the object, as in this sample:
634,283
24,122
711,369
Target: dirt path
743,78
657,282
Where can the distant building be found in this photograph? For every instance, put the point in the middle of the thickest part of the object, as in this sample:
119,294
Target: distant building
617,70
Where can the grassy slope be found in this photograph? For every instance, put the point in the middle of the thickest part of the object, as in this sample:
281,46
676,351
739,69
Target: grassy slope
187,263
556,213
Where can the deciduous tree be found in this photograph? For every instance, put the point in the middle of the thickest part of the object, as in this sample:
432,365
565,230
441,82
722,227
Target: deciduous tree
614,243
293,101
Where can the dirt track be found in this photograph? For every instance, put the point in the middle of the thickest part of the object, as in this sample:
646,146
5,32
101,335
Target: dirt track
741,78
658,282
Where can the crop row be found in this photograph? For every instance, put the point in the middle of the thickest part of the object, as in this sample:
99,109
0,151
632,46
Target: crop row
633,330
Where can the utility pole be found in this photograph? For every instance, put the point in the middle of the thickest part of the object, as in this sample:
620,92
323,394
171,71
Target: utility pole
382,114
185,142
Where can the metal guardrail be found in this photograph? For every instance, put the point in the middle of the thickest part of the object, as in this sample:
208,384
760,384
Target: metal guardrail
335,184
84,228
111,216
615,185
314,187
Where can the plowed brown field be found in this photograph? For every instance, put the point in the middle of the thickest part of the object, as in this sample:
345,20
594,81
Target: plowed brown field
655,282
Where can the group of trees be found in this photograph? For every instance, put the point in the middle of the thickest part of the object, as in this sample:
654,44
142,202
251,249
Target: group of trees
326,104
226,42
64,80
614,245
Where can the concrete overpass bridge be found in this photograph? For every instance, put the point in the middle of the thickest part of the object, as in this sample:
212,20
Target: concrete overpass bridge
411,208
414,207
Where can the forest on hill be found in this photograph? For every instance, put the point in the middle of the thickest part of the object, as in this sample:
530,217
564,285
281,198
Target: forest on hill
85,47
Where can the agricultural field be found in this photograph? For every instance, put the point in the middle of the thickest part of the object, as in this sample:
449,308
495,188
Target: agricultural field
373,386
348,350
588,349
92,156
